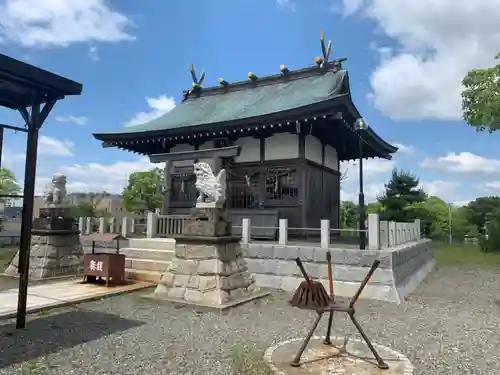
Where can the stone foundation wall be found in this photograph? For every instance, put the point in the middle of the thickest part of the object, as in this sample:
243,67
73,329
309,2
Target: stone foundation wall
52,256
401,268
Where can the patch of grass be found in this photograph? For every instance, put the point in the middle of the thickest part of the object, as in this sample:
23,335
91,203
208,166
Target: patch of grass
6,254
447,254
248,360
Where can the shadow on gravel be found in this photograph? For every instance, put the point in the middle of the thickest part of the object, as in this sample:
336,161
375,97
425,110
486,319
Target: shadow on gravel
53,333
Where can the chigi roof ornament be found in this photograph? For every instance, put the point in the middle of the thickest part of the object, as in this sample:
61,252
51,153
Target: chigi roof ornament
197,83
327,50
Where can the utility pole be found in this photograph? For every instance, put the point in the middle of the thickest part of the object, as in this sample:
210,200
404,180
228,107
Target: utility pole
449,223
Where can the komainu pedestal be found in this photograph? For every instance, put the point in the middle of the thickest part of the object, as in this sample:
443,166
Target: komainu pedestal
55,247
208,268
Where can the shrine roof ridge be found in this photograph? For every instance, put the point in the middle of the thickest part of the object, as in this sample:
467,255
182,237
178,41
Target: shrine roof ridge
310,90
249,84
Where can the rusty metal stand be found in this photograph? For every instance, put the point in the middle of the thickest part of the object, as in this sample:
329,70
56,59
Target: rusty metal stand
350,311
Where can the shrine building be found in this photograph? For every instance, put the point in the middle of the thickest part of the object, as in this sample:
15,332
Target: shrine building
281,139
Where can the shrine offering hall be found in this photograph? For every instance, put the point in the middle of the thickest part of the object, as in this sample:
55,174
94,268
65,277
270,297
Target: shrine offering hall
280,138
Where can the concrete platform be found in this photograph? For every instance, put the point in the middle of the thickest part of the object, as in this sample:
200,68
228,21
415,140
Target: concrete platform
59,294
207,307
320,359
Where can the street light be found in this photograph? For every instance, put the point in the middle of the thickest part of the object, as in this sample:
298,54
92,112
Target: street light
360,126
449,223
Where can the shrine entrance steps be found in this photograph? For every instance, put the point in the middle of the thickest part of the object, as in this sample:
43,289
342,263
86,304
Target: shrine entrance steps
147,259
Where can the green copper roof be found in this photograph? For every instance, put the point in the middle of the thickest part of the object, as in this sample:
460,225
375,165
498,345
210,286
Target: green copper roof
241,100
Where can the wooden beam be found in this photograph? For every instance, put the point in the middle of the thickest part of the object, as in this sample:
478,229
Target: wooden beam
222,152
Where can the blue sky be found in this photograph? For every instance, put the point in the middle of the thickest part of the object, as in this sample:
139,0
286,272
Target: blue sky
405,63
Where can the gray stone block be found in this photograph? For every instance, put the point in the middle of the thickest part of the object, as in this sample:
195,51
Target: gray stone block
286,268
306,253
259,251
286,252
268,281
290,284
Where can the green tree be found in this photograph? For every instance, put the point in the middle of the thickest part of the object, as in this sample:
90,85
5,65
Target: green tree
401,191
481,98
374,208
477,211
88,207
8,185
349,214
143,192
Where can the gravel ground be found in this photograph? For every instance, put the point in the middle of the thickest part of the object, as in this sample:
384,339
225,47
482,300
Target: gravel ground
450,325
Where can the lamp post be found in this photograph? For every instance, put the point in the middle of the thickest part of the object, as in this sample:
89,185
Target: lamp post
360,126
449,223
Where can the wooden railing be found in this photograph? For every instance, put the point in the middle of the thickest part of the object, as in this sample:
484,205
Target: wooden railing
170,225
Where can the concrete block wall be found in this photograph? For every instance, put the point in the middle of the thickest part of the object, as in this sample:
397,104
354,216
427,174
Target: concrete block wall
401,269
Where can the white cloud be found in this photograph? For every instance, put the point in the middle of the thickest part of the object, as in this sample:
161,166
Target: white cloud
446,190
492,185
463,162
287,4
375,173
11,159
94,53
371,167
158,107
58,23
78,120
102,177
437,43
406,149
56,147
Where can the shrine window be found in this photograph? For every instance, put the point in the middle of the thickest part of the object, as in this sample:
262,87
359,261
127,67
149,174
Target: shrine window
183,188
282,184
243,190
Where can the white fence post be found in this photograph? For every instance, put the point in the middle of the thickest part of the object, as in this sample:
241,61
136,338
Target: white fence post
112,225
384,234
392,233
325,234
101,225
373,232
88,225
246,228
283,232
417,225
81,224
151,225
125,226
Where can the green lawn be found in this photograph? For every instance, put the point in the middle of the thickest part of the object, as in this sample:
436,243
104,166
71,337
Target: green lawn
464,254
6,254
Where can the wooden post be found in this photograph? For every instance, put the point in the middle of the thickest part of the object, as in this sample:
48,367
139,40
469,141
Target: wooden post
167,183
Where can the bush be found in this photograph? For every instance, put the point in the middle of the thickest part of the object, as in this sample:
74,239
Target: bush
490,242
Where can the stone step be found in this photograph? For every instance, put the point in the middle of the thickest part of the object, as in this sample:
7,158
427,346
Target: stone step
144,253
152,243
147,264
143,275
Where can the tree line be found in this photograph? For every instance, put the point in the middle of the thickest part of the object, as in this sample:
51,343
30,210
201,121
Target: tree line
403,200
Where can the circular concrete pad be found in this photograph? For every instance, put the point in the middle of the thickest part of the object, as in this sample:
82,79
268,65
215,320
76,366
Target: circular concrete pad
320,359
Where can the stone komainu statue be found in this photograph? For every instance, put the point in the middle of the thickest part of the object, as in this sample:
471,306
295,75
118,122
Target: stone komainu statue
55,192
211,188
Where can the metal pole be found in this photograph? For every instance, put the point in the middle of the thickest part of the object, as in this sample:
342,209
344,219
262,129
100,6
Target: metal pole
1,144
449,224
29,195
361,198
